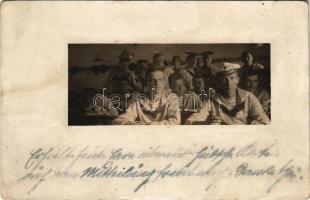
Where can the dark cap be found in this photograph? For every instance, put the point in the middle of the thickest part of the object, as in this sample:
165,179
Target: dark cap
126,55
206,53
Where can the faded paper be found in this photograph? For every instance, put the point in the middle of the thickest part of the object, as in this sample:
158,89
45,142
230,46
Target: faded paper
44,158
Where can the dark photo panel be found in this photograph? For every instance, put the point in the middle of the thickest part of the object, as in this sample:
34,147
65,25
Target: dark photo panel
169,84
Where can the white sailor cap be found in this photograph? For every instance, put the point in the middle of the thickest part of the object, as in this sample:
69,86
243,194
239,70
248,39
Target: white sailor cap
225,68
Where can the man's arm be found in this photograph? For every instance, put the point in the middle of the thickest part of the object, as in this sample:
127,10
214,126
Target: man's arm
256,112
265,101
129,116
199,117
173,113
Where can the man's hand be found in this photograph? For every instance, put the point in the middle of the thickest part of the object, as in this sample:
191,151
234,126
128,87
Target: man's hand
215,120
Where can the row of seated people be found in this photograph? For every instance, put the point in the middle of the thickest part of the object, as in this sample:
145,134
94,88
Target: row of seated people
176,104
195,85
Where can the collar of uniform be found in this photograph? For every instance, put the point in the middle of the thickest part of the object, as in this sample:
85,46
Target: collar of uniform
241,96
240,102
149,104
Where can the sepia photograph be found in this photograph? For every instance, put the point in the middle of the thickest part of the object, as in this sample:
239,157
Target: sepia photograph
169,84
81,80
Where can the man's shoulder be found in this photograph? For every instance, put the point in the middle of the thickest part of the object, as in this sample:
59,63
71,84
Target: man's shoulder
263,95
243,91
243,94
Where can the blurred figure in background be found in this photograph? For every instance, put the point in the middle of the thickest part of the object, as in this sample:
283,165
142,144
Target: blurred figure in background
252,84
199,84
208,59
250,64
189,101
134,80
192,60
177,63
141,69
187,72
205,68
200,61
121,71
159,61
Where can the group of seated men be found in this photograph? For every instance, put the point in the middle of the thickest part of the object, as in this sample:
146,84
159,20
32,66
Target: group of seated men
195,92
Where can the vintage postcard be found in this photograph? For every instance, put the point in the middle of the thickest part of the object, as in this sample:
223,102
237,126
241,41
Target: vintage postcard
128,100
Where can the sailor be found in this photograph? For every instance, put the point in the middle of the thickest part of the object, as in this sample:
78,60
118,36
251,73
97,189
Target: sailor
177,63
247,59
157,107
188,71
252,83
122,71
141,69
230,105
159,62
199,85
205,69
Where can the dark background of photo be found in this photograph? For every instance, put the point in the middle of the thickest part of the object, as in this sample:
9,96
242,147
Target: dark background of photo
89,63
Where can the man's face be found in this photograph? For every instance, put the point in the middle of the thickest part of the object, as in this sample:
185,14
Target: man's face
142,73
198,84
176,62
229,83
144,65
157,81
200,61
248,59
159,60
251,83
178,87
141,70
193,61
207,60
